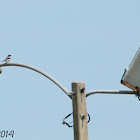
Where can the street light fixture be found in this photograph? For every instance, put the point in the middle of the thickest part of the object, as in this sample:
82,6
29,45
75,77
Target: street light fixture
131,77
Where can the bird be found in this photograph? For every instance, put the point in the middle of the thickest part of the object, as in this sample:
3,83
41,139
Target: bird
7,59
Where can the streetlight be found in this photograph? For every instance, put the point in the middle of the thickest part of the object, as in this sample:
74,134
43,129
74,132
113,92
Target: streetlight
130,79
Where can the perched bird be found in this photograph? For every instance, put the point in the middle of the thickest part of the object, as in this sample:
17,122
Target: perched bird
7,59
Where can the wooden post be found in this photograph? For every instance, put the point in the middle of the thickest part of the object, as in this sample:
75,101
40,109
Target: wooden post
79,111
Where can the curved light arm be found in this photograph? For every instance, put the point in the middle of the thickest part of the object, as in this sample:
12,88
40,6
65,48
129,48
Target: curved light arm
110,92
41,72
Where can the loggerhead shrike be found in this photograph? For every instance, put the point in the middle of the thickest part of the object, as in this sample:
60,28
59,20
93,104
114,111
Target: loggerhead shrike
7,59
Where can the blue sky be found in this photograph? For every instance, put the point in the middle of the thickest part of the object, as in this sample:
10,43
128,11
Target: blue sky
90,41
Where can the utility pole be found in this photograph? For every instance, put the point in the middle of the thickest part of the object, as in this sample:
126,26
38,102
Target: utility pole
79,111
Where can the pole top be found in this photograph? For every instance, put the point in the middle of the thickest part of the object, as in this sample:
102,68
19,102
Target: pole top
78,82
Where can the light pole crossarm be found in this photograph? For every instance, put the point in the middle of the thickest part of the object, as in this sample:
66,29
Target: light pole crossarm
41,72
110,92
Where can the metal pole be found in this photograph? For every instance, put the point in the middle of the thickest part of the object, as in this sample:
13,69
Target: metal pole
79,111
111,92
39,71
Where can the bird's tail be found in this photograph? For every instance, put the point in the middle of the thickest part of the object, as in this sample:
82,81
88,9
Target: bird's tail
3,61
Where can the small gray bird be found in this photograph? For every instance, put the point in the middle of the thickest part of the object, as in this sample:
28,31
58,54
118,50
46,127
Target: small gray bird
7,59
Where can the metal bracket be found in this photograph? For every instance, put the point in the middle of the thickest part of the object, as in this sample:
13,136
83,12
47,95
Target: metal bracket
82,118
137,93
82,89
